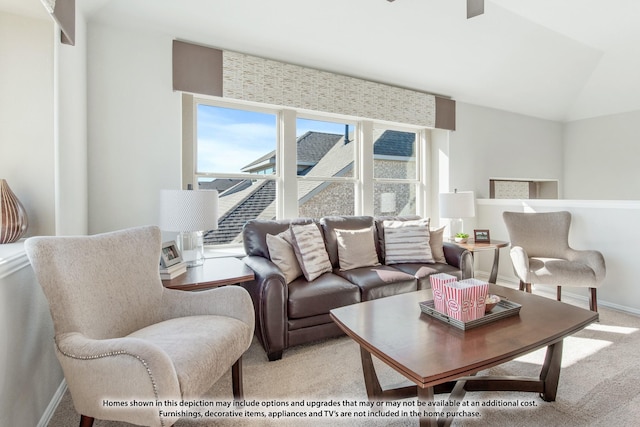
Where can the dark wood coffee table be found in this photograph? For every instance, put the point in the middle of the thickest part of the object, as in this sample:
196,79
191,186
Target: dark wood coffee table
440,358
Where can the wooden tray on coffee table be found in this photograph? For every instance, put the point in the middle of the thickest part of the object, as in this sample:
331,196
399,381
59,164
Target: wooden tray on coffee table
503,309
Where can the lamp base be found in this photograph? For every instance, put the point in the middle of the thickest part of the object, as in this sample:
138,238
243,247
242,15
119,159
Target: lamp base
455,227
191,246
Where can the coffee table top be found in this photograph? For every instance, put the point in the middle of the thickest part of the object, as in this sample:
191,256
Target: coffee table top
430,352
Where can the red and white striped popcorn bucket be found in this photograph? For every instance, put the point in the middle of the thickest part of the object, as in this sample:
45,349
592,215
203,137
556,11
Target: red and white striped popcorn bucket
465,299
437,286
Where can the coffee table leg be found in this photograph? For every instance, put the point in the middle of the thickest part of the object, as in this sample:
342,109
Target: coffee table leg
371,382
426,395
550,373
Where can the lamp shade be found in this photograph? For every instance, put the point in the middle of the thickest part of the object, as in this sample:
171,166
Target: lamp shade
459,204
188,210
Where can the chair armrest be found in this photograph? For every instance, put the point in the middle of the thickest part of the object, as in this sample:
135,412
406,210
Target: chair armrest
229,301
460,258
520,262
129,368
270,296
591,258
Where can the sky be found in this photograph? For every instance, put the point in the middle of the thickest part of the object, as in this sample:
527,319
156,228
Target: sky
230,139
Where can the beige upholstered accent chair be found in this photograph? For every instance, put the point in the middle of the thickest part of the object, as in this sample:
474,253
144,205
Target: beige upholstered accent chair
120,335
540,254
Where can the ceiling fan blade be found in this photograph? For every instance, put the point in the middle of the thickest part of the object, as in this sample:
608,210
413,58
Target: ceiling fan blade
474,8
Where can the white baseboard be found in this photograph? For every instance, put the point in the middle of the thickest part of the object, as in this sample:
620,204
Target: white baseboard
550,291
53,405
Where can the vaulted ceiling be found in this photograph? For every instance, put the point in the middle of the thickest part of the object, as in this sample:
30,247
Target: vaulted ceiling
555,59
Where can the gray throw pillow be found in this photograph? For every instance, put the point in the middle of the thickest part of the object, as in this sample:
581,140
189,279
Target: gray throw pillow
283,255
407,242
308,245
435,241
356,248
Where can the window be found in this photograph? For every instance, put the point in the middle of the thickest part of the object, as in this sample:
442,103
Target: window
395,172
325,167
235,153
269,163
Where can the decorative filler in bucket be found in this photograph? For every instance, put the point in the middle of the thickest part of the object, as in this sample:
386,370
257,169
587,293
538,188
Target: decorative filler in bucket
465,299
437,286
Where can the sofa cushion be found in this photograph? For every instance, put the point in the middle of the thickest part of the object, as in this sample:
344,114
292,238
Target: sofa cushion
283,255
308,245
319,296
356,248
380,281
435,242
422,272
407,241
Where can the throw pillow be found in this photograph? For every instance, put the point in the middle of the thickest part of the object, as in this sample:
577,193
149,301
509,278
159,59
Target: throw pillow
435,241
283,255
308,245
356,248
407,241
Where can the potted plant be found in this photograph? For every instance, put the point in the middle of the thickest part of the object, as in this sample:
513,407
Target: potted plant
461,237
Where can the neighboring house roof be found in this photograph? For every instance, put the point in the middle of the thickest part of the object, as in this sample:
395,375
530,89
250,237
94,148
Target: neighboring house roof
220,184
395,143
251,206
312,146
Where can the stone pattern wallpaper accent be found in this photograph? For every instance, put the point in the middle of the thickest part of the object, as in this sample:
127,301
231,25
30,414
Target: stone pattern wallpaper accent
250,78
511,190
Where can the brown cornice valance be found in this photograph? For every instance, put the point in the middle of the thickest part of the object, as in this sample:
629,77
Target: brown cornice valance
205,70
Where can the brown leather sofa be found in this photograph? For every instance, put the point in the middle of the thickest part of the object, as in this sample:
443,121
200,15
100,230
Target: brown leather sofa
297,313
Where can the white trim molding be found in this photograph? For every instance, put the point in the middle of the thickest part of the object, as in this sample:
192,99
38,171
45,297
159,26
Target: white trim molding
12,258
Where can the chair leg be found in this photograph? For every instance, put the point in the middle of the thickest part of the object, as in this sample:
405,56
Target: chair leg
86,421
236,380
527,288
559,293
593,300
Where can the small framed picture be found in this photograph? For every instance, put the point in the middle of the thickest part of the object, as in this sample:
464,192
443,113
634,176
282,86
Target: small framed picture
170,254
481,236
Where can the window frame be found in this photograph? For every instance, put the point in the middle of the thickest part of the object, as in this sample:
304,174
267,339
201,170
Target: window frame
286,176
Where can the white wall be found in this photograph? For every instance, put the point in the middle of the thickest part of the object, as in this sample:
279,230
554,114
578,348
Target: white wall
601,156
30,374
27,117
134,126
490,143
70,100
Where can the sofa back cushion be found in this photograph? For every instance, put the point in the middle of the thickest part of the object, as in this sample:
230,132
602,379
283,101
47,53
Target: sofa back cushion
332,223
254,234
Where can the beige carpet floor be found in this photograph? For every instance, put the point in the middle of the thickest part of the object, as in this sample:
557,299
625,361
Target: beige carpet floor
599,384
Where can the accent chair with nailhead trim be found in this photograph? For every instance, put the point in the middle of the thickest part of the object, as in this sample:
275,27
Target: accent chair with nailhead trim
121,336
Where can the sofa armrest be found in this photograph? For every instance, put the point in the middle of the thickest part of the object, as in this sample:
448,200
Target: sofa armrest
460,258
270,296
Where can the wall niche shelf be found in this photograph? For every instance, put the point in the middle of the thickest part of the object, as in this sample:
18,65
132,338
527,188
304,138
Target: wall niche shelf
520,188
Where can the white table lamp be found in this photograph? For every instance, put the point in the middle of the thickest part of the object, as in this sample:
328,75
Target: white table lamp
190,213
455,206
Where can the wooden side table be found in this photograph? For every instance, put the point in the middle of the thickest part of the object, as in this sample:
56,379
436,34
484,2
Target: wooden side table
213,273
472,247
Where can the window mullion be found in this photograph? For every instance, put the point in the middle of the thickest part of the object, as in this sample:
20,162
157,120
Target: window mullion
364,189
287,189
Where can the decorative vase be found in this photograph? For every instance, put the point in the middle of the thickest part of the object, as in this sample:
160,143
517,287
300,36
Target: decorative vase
13,217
